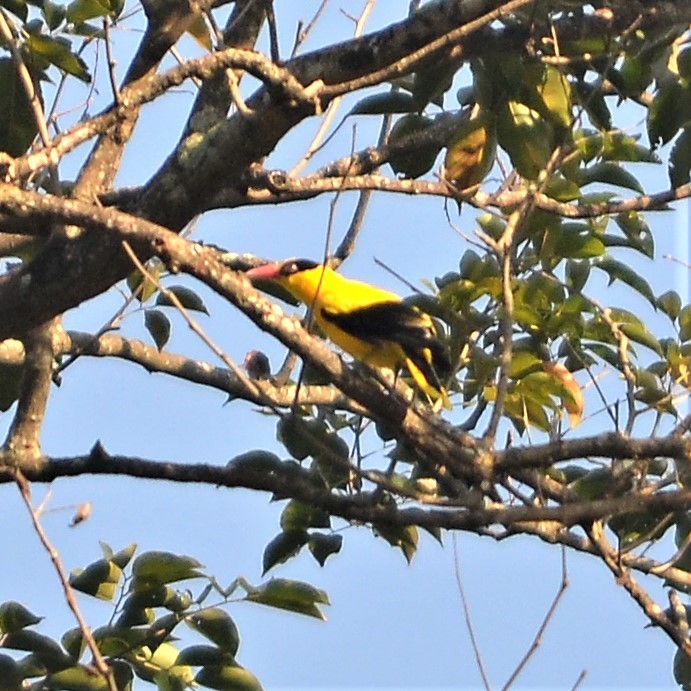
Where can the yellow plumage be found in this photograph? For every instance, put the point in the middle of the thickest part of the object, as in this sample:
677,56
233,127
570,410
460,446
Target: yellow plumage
375,326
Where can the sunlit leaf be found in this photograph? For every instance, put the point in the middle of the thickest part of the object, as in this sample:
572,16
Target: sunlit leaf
295,596
14,616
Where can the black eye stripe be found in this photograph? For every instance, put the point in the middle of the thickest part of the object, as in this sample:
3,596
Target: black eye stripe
297,265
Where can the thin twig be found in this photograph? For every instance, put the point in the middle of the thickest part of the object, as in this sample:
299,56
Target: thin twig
537,641
466,614
100,663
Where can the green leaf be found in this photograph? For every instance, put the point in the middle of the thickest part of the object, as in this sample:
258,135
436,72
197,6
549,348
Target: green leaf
685,323
46,649
216,625
80,11
156,568
635,329
411,162
294,596
637,232
227,678
10,673
297,516
682,669
671,107
384,104
53,13
204,655
256,460
99,579
76,678
405,537
145,287
73,642
10,385
609,173
669,303
526,137
284,546
592,99
123,556
322,546
58,52
17,122
619,146
680,159
187,297
158,325
471,151
17,7
623,272
14,616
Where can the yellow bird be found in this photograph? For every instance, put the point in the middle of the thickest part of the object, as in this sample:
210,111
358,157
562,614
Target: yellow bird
375,326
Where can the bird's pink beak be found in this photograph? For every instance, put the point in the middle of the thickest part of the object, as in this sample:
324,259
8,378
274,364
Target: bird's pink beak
265,272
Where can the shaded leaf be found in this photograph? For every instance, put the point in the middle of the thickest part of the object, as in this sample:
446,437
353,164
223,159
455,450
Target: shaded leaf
411,162
227,678
158,325
17,122
187,297
99,579
386,103
216,625
284,546
322,546
471,151
680,159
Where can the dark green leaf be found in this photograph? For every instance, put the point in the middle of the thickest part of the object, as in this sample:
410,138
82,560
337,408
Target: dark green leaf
284,546
46,649
186,296
322,546
609,173
218,627
623,272
680,159
685,323
17,122
10,674
383,104
257,460
227,678
158,325
76,678
671,107
411,162
17,7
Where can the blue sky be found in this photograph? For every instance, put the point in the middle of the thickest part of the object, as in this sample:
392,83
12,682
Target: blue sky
390,625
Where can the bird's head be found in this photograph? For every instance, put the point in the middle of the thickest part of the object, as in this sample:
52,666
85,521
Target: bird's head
300,277
280,271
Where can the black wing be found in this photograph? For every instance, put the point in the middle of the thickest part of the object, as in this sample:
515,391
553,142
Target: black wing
401,323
